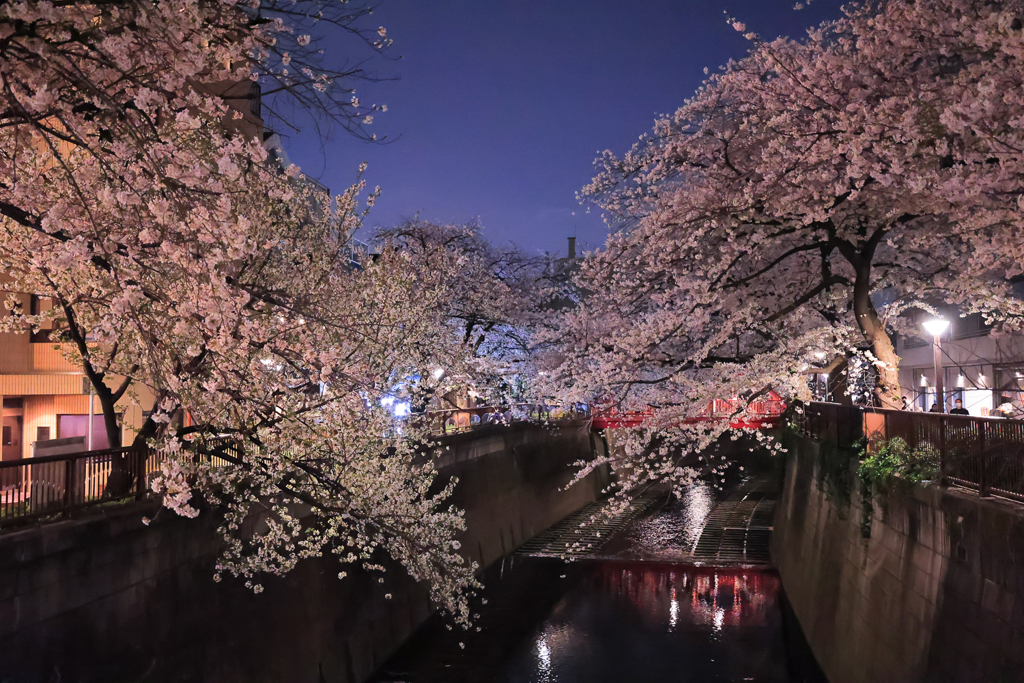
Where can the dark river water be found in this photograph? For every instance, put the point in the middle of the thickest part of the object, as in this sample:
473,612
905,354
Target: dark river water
639,612
614,621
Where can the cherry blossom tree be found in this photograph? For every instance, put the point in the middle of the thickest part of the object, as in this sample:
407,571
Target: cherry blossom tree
494,300
136,194
127,100
754,228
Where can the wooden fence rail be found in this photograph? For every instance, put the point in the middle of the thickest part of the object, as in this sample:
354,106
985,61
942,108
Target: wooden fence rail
981,453
55,486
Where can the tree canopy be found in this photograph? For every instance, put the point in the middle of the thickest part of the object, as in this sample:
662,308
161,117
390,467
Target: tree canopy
755,227
136,195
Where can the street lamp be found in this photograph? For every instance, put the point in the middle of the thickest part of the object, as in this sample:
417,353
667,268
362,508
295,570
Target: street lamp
935,328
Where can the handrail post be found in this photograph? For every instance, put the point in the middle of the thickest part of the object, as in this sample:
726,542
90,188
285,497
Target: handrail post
983,484
943,456
69,486
141,456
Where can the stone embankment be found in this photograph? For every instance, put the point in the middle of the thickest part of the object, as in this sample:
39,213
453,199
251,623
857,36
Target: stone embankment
109,599
930,589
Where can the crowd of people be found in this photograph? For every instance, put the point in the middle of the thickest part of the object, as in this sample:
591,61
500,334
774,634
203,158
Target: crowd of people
1007,409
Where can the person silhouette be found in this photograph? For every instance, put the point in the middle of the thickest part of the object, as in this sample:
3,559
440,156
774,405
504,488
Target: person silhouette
959,408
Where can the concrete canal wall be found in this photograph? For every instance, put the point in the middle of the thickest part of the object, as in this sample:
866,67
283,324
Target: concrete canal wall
109,599
932,591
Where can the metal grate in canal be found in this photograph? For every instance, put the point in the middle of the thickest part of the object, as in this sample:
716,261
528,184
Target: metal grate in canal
738,530
568,539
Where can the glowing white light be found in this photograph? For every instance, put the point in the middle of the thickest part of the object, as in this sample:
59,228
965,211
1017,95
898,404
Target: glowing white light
924,381
544,654
936,326
397,408
438,373
719,619
961,381
673,611
820,355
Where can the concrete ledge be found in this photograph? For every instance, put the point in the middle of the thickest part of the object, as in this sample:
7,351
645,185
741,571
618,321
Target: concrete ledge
934,593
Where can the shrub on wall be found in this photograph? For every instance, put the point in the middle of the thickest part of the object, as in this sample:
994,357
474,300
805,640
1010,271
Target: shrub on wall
895,458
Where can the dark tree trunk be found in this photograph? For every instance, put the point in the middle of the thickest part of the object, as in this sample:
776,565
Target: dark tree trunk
121,479
887,386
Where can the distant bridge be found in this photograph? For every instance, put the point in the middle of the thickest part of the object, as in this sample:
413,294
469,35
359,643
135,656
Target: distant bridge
761,414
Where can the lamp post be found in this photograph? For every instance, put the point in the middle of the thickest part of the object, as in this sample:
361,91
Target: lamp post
935,328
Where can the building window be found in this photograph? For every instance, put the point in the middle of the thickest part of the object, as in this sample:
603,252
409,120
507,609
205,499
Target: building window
971,325
42,433
78,425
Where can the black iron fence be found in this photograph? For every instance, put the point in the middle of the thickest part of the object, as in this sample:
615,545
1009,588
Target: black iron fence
981,453
55,486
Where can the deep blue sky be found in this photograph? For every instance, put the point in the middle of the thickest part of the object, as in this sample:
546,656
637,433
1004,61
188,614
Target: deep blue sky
500,106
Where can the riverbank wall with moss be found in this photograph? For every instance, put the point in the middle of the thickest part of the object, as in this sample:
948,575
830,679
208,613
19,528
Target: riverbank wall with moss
904,584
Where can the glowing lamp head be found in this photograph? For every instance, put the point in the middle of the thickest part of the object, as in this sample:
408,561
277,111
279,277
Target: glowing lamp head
936,326
438,373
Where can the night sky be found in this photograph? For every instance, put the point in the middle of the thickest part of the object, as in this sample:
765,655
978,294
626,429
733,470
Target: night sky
498,108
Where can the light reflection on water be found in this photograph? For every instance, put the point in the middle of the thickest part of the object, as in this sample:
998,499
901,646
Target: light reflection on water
671,534
640,617
648,622
544,661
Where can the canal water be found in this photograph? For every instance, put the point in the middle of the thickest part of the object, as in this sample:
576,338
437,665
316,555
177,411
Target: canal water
639,611
646,605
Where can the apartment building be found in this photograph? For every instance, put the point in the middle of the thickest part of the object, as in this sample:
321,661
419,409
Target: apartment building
47,405
47,398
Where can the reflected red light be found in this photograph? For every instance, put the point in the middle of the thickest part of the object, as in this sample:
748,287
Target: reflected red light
717,598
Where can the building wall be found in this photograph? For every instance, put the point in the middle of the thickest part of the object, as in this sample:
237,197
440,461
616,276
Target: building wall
110,599
14,353
39,412
47,357
935,592
976,359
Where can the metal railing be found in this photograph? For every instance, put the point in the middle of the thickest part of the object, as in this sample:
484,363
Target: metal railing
981,453
55,486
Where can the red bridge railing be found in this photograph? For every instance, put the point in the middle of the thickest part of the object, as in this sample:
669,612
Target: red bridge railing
759,414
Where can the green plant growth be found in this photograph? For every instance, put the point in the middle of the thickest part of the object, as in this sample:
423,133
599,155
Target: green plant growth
895,458
892,462
835,469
